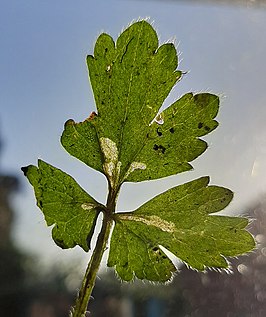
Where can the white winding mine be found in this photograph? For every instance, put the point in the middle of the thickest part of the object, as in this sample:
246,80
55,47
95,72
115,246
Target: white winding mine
111,164
155,221
87,206
135,166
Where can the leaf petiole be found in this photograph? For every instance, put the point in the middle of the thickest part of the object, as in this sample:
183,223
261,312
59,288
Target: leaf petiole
88,282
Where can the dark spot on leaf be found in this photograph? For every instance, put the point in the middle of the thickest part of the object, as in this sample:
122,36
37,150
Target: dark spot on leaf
200,125
164,257
71,144
106,50
102,102
155,249
159,132
41,203
162,148
165,164
159,148
25,170
207,128
172,130
207,250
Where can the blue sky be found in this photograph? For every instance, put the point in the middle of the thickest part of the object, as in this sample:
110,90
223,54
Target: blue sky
44,82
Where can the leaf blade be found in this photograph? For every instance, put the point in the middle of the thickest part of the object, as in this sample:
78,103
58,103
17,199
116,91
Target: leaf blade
81,141
182,220
134,255
130,80
175,143
64,204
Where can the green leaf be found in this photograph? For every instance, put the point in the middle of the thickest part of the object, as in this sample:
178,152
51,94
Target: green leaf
64,204
80,140
130,81
135,254
174,143
181,220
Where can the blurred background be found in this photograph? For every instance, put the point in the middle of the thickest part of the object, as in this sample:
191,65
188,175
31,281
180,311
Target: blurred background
44,82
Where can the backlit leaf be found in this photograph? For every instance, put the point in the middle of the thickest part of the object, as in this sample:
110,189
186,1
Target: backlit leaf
64,204
130,79
181,220
171,145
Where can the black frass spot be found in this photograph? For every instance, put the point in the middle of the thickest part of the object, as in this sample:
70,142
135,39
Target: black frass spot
159,148
159,132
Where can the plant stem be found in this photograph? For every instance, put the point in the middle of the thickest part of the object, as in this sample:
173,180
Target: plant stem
88,282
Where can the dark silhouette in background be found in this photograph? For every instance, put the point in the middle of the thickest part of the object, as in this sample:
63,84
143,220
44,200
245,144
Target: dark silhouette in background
22,292
11,268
